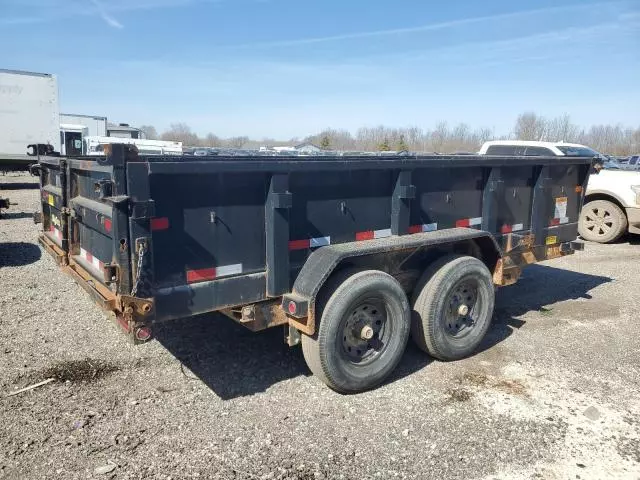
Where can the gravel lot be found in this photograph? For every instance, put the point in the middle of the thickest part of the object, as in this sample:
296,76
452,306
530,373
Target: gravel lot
554,393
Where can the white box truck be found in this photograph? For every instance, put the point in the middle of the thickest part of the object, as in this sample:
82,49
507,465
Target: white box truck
75,128
29,114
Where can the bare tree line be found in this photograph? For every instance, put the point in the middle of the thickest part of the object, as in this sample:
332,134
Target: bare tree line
610,139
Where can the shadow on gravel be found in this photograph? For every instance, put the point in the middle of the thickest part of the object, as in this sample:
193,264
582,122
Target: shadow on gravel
17,254
539,286
14,215
231,360
630,238
235,362
20,186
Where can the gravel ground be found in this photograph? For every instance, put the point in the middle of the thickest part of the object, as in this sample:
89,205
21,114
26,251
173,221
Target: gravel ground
554,392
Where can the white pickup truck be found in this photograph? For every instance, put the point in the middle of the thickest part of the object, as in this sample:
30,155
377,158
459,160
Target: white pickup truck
611,206
612,200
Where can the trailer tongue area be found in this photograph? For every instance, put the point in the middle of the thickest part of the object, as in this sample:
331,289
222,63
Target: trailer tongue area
351,254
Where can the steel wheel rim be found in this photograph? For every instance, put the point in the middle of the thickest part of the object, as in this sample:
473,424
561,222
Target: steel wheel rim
366,317
462,308
599,221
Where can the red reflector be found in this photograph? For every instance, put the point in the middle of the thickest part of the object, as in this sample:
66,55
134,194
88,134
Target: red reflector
107,224
292,307
415,229
161,223
143,334
555,221
364,235
506,229
463,223
299,244
201,275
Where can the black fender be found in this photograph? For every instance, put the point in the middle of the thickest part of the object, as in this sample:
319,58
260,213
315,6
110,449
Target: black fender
300,304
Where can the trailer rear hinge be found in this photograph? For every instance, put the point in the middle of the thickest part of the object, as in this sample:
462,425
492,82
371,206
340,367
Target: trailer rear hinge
143,210
104,188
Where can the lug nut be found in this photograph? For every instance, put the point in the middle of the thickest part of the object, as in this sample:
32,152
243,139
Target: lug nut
366,333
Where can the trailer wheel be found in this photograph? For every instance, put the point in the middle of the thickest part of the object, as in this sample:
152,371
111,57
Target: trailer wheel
452,307
602,221
364,327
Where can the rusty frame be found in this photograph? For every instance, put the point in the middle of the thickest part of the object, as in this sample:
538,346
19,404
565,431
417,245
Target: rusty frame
129,312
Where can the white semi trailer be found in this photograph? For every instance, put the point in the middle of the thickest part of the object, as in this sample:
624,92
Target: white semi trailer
29,114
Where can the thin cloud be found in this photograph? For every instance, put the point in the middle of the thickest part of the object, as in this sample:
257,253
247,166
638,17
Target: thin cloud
425,28
109,20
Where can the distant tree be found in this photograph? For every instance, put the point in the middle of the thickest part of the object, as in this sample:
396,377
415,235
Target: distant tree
402,144
181,132
212,140
237,142
530,126
325,142
150,132
384,146
439,136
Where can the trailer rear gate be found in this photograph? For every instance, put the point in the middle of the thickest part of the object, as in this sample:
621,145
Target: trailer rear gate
157,238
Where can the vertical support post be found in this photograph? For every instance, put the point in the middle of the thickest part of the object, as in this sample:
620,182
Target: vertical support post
279,201
403,193
493,190
540,207
64,209
117,158
142,211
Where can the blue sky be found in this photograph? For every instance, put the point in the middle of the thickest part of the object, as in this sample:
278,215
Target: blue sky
285,68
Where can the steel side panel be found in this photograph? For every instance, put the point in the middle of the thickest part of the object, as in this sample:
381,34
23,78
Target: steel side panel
188,300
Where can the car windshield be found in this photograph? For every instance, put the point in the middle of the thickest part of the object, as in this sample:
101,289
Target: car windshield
578,151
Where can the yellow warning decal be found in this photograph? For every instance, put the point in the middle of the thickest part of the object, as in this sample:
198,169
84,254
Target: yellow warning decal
52,201
552,240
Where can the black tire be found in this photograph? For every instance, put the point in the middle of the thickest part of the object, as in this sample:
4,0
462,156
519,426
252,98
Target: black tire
350,301
602,221
437,326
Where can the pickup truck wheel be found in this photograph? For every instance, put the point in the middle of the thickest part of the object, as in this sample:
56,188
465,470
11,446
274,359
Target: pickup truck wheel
452,307
364,327
602,221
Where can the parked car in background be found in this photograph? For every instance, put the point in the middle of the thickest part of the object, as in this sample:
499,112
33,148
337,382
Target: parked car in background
633,163
612,199
611,206
536,149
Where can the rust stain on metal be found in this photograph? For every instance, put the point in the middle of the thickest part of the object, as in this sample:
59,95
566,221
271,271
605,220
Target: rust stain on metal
52,249
260,316
309,325
554,252
506,273
529,257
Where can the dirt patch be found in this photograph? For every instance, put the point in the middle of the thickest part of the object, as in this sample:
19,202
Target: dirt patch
512,387
458,395
87,370
477,379
629,448
481,380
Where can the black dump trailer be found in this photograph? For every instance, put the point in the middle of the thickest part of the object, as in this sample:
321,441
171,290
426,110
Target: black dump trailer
351,254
